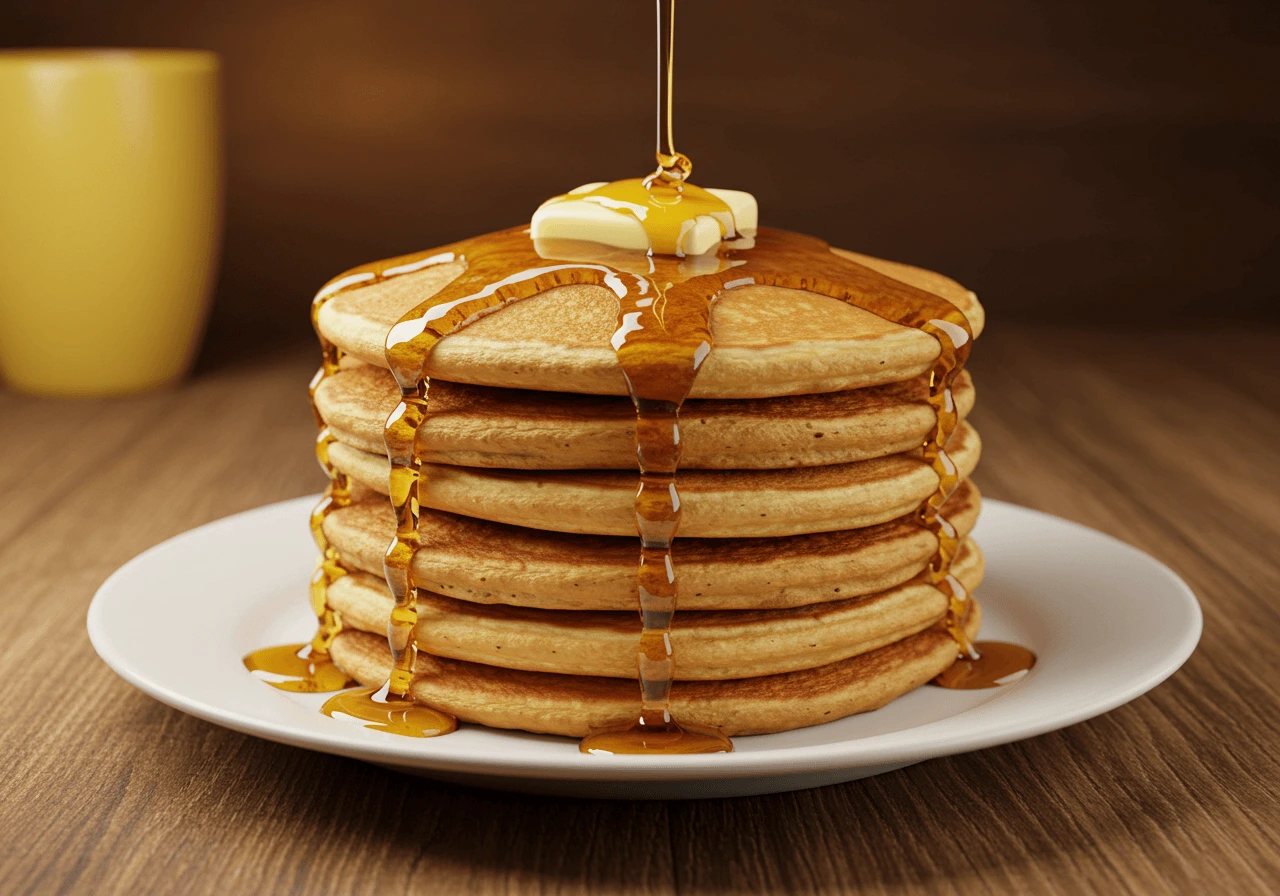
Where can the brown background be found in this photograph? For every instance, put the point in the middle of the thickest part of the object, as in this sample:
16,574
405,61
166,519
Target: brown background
1070,161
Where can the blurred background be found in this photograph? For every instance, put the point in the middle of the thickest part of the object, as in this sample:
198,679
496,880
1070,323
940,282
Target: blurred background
1072,162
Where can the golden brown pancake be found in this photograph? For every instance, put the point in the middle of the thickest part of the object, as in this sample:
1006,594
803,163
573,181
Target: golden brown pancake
494,563
709,645
797,555
767,341
576,705
714,503
478,426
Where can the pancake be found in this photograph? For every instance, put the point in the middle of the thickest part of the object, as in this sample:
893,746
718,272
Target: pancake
709,645
799,552
575,705
494,563
766,341
476,426
714,503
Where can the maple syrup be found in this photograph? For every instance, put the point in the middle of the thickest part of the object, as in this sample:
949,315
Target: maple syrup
381,710
300,667
307,668
1000,663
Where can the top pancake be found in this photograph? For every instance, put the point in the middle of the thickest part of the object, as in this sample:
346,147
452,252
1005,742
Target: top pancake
766,341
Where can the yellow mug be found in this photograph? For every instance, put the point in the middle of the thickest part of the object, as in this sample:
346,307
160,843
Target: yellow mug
110,216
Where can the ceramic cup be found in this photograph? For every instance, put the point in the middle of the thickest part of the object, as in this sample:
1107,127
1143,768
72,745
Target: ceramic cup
110,216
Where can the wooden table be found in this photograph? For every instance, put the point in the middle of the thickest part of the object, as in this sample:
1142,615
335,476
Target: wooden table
1167,440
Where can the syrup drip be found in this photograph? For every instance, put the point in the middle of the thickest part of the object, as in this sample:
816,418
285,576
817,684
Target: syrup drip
1001,663
390,708
664,202
307,668
661,341
673,165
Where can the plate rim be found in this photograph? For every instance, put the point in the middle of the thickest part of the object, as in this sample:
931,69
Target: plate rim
929,740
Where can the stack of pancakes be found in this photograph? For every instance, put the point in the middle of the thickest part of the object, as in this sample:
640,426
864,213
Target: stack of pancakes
798,558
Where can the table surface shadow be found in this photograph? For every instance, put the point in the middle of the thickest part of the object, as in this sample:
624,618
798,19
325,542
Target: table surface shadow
1168,440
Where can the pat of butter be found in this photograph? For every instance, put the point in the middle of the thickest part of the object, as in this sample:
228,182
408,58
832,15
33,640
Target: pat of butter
622,224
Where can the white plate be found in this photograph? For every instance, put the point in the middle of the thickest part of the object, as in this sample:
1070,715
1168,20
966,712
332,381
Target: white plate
1107,622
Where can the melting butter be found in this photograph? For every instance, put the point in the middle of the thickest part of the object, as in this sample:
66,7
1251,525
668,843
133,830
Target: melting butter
650,214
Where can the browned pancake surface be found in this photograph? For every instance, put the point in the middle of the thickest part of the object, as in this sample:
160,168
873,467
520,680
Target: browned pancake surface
484,562
714,503
572,705
478,426
709,645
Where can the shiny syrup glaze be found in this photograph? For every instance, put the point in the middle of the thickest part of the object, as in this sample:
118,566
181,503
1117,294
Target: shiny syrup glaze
998,663
307,668
390,708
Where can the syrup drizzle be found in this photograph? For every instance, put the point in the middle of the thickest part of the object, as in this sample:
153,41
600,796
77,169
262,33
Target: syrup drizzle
660,345
307,668
505,267
664,202
661,341
391,708
672,164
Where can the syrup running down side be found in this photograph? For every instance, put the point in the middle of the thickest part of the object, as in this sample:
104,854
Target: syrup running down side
307,668
390,708
660,344
663,336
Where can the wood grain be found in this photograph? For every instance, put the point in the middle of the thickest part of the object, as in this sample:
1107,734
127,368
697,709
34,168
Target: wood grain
1167,440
